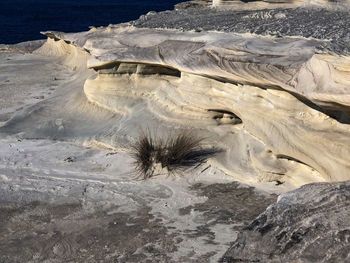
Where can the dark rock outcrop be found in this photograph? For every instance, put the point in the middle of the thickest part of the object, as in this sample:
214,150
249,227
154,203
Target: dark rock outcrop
310,224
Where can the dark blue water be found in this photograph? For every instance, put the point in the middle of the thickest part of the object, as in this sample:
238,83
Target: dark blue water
22,20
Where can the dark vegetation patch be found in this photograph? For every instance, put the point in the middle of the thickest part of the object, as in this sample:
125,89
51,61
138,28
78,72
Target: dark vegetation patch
175,154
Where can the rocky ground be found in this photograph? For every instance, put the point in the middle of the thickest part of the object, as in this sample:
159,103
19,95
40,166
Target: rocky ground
310,224
66,232
312,22
60,202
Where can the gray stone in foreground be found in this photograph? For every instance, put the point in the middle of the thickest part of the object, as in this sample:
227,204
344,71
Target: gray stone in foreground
64,229
310,224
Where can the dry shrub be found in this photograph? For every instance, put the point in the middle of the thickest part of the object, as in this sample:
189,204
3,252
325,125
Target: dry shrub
175,154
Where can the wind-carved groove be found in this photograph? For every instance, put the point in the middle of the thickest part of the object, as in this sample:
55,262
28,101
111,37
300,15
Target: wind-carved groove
137,68
224,117
289,158
337,112
87,51
52,36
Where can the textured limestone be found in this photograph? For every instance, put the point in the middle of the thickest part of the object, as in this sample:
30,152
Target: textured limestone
310,224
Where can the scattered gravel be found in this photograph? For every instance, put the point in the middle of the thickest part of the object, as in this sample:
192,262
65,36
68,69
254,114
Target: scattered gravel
318,23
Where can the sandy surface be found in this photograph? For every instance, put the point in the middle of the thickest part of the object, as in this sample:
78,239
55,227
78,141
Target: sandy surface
18,89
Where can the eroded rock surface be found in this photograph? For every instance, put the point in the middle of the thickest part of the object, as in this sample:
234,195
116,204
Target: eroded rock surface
285,93
310,224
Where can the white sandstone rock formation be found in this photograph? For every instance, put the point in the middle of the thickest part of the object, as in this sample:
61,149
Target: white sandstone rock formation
265,101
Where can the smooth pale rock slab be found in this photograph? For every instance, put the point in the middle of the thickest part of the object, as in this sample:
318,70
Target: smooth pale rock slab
292,64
